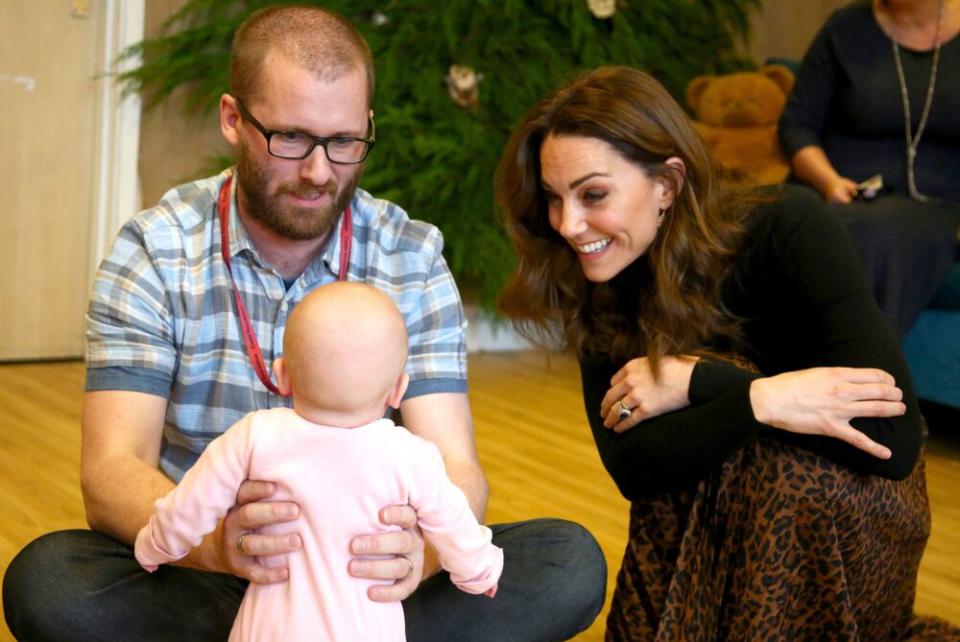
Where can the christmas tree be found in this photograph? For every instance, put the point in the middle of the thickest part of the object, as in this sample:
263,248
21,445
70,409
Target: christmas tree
453,78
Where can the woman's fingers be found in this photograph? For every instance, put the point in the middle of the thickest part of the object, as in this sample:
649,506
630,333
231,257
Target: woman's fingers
866,375
859,440
877,408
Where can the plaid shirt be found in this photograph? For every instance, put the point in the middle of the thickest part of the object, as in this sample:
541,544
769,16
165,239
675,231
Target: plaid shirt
162,318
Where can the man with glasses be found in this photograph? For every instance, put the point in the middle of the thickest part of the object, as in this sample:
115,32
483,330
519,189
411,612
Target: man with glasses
188,311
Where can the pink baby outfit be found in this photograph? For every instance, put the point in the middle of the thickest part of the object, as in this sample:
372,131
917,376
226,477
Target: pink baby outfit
341,478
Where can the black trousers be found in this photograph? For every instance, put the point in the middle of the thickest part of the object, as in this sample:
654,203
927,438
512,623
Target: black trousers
82,585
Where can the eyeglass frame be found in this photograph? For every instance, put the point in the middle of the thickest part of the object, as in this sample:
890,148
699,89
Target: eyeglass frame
318,141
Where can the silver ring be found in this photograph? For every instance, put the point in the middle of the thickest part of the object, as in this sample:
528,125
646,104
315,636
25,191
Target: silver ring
240,544
622,411
410,571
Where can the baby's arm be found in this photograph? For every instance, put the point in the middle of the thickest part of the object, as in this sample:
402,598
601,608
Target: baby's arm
443,513
191,510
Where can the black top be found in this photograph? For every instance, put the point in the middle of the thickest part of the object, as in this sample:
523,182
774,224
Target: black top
847,100
800,288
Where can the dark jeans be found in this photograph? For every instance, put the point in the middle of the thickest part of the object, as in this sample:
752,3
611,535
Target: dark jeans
82,585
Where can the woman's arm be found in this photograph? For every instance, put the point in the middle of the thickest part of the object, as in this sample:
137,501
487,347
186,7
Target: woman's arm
805,118
730,407
672,450
811,165
802,286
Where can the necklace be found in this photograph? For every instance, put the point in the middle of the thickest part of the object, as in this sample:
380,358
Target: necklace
913,140
246,326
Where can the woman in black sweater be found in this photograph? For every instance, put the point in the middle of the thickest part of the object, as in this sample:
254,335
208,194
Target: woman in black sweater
742,387
877,95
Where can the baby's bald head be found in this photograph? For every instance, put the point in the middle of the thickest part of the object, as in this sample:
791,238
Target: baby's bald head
345,348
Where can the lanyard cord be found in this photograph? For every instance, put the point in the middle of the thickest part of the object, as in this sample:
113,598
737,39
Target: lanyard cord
246,328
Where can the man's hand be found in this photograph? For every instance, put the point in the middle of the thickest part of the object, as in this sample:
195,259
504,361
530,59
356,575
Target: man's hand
406,548
250,513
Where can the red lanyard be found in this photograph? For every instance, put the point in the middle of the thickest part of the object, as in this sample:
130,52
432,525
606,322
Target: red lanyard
246,328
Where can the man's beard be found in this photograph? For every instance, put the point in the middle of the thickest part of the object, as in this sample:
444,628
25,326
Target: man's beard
295,223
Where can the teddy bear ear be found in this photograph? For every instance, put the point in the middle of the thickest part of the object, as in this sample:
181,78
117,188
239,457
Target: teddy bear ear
695,90
779,74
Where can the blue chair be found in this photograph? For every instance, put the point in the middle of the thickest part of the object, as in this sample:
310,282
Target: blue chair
932,346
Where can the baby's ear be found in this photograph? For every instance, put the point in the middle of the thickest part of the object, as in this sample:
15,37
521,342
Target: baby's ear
398,390
280,374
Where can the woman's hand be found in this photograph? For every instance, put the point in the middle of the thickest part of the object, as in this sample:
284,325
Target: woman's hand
840,190
822,401
644,396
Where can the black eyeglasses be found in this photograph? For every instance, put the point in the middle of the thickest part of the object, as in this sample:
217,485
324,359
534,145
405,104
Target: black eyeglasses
343,150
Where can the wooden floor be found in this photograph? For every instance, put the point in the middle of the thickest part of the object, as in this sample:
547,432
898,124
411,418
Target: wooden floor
532,438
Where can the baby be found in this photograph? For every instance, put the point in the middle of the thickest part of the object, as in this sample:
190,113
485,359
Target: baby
336,456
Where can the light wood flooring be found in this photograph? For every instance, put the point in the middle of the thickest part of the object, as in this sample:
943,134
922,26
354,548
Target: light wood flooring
531,435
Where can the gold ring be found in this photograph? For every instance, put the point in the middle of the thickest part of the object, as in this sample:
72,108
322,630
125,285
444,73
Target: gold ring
623,412
410,571
240,544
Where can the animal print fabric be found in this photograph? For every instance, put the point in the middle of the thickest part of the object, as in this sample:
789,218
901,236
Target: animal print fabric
779,544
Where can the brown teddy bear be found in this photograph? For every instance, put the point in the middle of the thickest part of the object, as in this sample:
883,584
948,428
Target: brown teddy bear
737,114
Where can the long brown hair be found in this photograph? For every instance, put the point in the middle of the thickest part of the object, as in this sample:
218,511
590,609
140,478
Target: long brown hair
669,301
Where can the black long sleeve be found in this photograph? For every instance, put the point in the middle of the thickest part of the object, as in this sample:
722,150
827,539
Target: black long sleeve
799,287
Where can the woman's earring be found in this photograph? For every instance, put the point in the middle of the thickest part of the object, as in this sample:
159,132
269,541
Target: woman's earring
663,215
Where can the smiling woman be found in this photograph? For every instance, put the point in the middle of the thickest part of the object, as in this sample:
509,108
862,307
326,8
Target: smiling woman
606,207
742,388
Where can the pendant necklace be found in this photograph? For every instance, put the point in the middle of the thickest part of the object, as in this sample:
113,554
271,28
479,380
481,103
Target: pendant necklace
913,140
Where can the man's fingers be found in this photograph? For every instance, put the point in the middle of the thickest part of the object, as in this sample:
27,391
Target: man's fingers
390,543
254,515
267,574
395,592
253,490
255,544
401,515
394,568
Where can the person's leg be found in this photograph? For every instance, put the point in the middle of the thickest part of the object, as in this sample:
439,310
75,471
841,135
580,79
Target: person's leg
82,585
908,249
552,587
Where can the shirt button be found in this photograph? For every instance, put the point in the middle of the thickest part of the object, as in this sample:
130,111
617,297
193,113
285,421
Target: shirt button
284,306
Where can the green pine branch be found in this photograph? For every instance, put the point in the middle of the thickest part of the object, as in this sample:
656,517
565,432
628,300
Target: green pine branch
433,157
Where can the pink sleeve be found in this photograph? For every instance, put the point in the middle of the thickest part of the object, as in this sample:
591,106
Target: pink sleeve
204,495
463,544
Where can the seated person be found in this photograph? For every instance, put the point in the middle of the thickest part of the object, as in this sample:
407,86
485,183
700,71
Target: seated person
188,311
876,96
334,454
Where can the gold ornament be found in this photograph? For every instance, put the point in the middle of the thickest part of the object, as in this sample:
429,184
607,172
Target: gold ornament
602,9
463,85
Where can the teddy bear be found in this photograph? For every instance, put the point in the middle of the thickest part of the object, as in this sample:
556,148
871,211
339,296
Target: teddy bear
737,114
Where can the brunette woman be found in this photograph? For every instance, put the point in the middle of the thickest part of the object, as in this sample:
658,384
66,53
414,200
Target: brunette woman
742,387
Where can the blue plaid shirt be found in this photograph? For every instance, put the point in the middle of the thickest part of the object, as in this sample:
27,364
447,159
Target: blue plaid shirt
162,317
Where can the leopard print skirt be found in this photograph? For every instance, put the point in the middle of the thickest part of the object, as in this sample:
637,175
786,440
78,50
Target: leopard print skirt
780,544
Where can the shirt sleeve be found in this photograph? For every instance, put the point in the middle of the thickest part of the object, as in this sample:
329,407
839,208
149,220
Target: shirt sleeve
805,115
202,498
129,321
437,361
